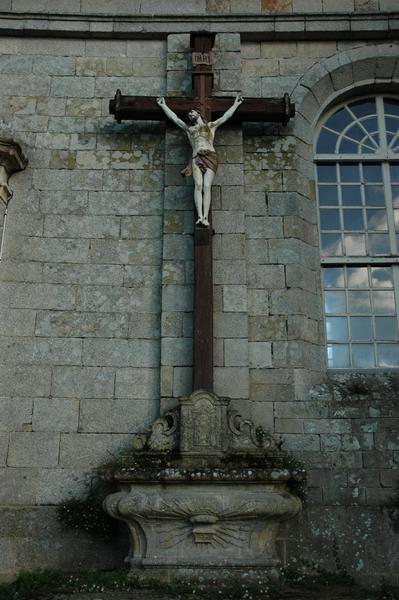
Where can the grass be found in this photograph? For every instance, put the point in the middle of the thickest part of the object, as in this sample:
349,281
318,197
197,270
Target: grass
37,585
42,585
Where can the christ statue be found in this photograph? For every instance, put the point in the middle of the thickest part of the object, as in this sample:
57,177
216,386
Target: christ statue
204,163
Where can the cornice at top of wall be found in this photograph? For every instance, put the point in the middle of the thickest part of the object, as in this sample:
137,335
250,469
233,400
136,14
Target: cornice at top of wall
259,27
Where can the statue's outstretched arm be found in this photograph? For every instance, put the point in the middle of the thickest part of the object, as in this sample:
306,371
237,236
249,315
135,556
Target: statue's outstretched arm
170,114
228,114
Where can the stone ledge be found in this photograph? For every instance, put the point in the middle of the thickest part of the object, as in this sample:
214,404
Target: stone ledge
267,476
250,26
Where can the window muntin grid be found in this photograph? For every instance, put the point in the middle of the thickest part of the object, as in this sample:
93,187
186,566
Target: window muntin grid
367,126
352,129
358,192
353,209
360,316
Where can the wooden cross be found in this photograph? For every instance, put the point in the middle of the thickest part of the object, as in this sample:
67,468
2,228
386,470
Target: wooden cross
271,110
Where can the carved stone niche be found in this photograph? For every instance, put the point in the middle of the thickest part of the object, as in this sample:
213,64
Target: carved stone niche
11,161
204,497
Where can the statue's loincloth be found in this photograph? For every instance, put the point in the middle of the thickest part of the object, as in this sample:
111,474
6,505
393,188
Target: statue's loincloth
204,159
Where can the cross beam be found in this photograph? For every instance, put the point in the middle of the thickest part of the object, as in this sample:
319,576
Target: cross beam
270,110
145,108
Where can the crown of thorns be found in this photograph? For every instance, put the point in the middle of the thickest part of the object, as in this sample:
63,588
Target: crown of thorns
198,110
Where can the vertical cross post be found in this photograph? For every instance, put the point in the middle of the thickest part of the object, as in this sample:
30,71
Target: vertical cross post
203,278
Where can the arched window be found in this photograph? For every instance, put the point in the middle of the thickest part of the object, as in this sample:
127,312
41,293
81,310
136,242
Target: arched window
357,163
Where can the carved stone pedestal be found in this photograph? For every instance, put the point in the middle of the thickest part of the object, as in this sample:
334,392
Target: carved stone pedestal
210,511
196,529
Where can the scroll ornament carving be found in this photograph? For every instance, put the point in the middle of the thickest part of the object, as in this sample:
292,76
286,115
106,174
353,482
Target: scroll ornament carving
206,426
245,435
162,437
11,161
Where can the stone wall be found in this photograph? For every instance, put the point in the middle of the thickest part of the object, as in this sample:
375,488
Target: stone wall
96,275
350,522
80,273
345,433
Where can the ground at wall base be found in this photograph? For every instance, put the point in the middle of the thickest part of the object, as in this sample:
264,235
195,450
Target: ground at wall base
291,593
115,585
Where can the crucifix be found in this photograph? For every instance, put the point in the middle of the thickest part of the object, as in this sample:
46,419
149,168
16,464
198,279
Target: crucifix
210,110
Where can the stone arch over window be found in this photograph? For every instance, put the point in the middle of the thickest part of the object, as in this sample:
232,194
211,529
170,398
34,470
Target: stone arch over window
343,75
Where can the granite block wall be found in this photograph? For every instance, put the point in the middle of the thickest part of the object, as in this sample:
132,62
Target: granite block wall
343,430
80,270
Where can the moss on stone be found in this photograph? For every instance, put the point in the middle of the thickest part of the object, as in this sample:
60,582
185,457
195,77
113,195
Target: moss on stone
87,515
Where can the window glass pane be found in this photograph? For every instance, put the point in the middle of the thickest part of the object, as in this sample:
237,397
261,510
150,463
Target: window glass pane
388,355
378,244
331,244
359,302
334,302
348,147
381,277
328,195
361,108
371,124
337,328
377,220
351,195
376,138
355,133
392,124
374,195
384,302
391,106
372,172
333,277
350,172
357,277
386,328
326,142
361,329
338,356
353,220
355,244
367,150
327,173
339,120
329,219
395,195
363,356
394,172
